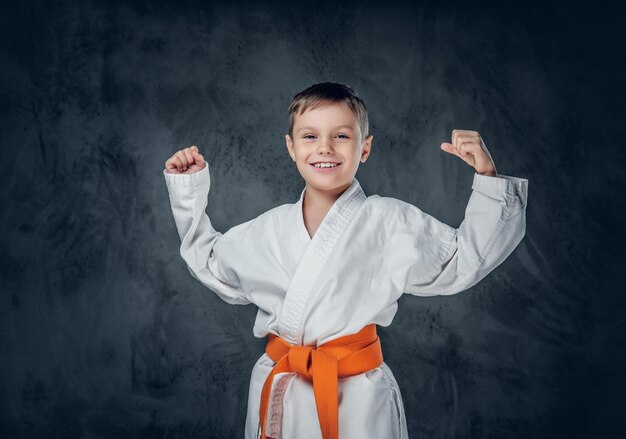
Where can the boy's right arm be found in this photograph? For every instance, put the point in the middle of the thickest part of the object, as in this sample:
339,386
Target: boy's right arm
188,194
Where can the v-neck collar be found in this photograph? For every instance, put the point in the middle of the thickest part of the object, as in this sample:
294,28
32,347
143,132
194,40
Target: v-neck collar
338,206
314,252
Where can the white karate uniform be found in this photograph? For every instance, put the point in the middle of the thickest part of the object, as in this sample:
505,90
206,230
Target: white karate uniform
366,253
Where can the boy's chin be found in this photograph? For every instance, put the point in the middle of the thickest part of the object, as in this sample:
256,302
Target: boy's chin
326,184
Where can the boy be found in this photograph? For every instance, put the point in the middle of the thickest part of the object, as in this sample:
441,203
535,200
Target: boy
324,271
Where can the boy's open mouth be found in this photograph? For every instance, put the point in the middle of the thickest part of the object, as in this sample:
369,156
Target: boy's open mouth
325,165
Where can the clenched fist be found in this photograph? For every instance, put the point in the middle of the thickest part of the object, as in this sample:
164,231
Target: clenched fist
185,161
467,145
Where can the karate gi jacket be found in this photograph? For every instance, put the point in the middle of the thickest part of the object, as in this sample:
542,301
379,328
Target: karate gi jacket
366,253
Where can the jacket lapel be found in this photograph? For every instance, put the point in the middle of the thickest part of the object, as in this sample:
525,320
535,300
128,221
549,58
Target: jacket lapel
318,250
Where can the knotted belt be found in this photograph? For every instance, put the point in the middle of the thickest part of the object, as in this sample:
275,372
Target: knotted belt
345,356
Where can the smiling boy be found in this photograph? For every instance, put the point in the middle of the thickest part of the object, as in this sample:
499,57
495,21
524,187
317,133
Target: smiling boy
326,270
329,136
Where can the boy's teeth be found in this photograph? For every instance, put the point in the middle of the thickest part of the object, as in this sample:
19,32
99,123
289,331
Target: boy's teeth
325,165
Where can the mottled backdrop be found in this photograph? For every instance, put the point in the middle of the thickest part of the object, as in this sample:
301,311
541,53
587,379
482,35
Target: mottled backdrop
103,332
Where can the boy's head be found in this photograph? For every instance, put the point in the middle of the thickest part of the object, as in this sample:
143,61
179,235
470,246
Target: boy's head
328,122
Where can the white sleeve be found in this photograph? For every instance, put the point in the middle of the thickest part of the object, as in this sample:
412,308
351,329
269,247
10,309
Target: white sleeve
494,224
188,194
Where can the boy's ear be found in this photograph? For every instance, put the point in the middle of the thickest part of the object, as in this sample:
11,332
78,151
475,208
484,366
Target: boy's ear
367,146
289,144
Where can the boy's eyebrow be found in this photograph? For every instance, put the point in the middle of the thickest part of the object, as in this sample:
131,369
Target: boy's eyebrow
312,128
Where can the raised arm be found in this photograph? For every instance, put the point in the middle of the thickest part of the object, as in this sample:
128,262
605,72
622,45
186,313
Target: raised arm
494,224
188,194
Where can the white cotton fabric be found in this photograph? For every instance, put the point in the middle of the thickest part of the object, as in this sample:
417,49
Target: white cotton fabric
366,253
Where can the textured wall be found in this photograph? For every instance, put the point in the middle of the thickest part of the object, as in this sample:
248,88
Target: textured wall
103,332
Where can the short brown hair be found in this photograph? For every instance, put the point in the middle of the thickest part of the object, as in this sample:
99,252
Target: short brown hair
325,93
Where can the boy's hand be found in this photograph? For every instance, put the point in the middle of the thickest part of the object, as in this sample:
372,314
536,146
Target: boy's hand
466,145
185,161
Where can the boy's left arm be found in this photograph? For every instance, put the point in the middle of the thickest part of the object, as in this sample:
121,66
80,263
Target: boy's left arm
494,224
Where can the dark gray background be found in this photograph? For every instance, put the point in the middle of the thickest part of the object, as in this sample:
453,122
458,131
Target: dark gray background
103,332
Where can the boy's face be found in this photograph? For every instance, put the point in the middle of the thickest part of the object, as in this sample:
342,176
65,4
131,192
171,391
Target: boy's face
329,133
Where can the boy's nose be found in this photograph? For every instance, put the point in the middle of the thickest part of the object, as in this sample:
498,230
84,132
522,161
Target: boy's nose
326,145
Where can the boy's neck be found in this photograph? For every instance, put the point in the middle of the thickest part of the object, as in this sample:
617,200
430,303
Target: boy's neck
316,200
316,205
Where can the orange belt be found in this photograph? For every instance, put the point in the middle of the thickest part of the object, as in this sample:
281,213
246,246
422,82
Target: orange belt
345,356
